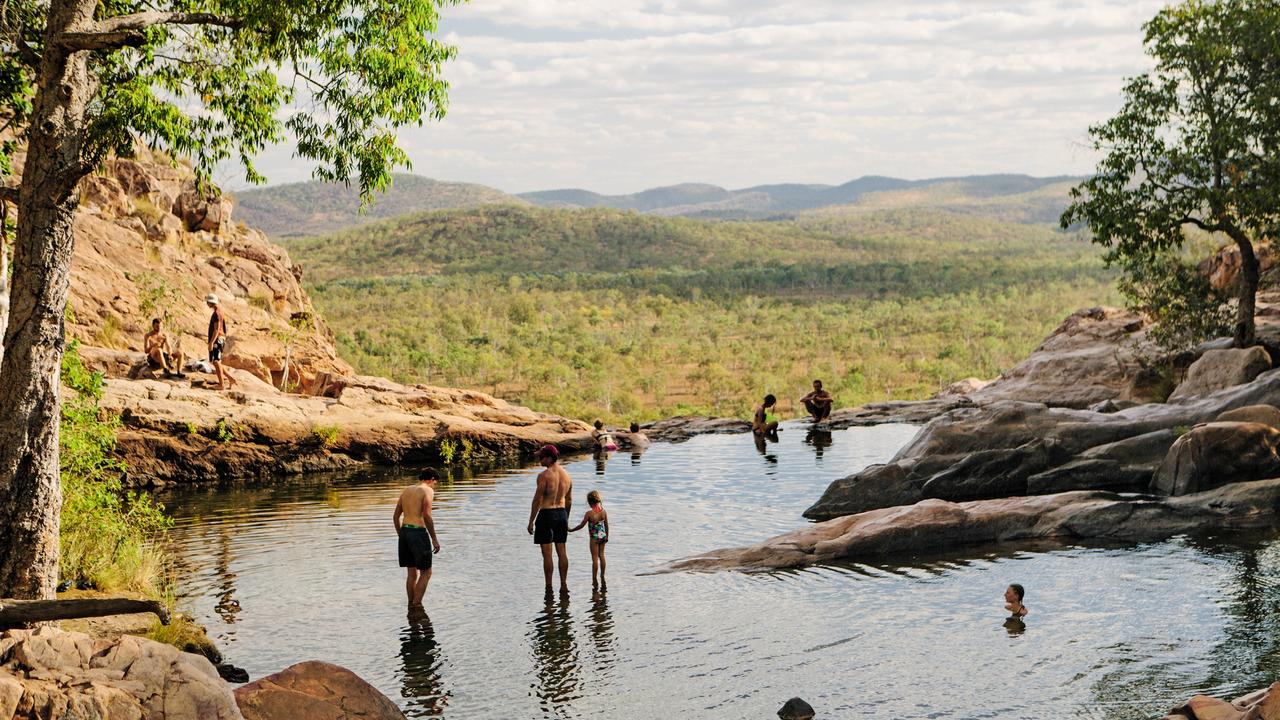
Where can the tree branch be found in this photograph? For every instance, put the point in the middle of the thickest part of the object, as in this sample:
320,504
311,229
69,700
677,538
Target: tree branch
128,30
1207,227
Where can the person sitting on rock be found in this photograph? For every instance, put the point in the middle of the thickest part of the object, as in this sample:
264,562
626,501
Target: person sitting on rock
218,342
763,421
818,403
603,438
160,354
1013,601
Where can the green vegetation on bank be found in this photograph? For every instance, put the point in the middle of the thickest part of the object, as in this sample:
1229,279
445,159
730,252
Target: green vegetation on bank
615,314
108,536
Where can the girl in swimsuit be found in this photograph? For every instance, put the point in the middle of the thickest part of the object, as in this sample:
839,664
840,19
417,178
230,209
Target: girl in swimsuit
597,522
603,438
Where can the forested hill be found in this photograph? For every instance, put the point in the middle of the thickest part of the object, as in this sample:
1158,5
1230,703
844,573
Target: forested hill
309,208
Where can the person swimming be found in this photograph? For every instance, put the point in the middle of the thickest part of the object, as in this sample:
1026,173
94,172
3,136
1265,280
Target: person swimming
603,438
1013,596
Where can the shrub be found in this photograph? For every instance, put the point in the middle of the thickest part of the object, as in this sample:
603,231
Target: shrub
224,432
326,434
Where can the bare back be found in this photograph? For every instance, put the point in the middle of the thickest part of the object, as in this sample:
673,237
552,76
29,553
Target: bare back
413,500
554,488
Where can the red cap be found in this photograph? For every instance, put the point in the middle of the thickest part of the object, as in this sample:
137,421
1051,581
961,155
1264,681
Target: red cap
548,451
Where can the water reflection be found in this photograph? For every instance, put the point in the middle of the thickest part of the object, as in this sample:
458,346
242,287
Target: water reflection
555,655
602,459
1015,626
600,626
762,446
635,457
819,439
420,681
228,607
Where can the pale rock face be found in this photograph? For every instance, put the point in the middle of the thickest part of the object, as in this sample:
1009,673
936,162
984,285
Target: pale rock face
49,674
1218,369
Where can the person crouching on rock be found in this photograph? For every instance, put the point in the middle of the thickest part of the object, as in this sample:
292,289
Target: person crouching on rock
763,421
218,341
160,354
1013,601
416,531
818,403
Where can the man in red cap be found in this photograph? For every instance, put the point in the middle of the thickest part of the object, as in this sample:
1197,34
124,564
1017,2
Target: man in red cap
549,516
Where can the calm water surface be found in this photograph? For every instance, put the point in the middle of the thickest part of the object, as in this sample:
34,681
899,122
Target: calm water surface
307,570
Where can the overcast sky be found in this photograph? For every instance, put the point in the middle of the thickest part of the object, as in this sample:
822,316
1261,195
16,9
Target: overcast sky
621,95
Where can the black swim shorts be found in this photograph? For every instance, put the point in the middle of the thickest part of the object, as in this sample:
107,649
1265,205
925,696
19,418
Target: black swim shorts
415,548
215,353
551,526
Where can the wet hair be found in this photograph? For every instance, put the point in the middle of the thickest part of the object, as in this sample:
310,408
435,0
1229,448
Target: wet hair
429,474
1018,590
599,424
155,321
770,400
593,497
635,427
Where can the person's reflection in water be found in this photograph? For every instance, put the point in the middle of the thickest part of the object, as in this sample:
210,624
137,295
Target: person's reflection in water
555,655
1015,626
762,447
602,458
228,607
420,681
600,624
819,439
635,457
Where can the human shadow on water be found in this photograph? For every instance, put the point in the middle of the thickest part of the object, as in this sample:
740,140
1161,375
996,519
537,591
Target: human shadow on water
819,439
600,625
762,446
1014,626
602,459
420,682
555,654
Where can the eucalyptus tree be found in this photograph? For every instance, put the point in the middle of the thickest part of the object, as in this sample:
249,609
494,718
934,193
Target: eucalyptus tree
209,80
1194,146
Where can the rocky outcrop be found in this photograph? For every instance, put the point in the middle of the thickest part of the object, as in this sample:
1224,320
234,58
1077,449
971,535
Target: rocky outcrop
934,526
679,429
150,243
172,433
1217,453
49,674
1218,369
1011,448
315,691
1260,705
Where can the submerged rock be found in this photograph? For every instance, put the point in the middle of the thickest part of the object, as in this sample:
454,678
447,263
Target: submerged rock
937,525
316,691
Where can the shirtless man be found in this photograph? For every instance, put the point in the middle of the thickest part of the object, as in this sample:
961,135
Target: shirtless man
549,516
218,341
763,421
818,402
160,354
417,532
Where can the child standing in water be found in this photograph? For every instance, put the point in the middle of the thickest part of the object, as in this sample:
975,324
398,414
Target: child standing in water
597,522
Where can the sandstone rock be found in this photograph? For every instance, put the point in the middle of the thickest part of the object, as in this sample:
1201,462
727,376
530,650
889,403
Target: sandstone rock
962,387
1264,414
897,411
796,709
933,526
203,210
1263,705
682,428
1218,369
104,194
316,691
998,448
1223,267
58,675
1204,707
1217,453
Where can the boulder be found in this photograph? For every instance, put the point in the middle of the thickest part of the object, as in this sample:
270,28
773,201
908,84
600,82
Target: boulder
1264,414
1218,369
51,674
938,526
796,709
1010,447
962,387
315,691
1217,453
679,429
203,210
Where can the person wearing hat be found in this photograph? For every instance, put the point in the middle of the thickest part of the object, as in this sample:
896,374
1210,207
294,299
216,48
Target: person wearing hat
549,515
218,341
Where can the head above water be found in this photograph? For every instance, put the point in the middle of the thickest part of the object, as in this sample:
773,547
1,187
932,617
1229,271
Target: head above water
429,476
1016,591
599,424
635,427
770,401
593,498
547,455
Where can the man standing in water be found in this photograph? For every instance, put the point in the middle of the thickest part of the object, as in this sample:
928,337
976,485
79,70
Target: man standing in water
549,516
417,532
818,403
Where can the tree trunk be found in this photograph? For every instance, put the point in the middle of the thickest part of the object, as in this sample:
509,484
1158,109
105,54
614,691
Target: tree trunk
1249,278
34,339
4,273
17,613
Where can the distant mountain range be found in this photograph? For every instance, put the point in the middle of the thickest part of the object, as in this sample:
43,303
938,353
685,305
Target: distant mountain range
313,208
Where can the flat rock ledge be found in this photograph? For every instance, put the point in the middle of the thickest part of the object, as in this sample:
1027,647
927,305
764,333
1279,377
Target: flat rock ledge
934,526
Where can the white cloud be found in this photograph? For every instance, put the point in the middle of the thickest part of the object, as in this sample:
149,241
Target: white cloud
619,95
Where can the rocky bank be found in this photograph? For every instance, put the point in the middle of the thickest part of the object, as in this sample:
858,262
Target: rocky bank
151,243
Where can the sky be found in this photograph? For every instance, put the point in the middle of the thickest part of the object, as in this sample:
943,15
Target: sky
621,95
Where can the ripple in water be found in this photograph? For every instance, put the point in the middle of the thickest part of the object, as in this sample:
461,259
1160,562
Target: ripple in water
307,570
